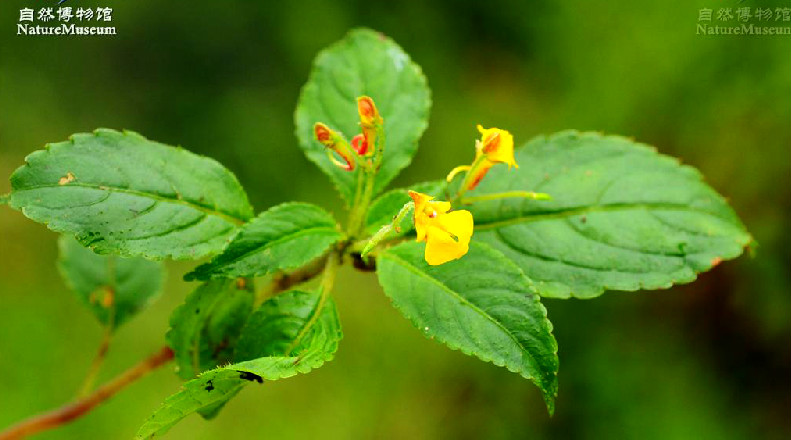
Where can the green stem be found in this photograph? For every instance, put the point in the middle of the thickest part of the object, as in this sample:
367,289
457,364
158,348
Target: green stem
327,281
96,365
468,176
357,228
382,233
506,195
361,205
104,345
358,192
284,281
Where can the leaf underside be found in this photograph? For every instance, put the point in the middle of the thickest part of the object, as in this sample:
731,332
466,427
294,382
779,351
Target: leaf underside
113,288
622,217
310,336
204,330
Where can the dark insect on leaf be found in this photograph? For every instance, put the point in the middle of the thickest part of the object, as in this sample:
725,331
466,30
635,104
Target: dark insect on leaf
252,377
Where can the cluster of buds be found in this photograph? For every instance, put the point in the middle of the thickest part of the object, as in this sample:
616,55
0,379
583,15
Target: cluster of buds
363,146
446,232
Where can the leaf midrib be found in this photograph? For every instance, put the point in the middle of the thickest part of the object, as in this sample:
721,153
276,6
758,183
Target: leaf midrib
231,218
570,212
284,238
464,300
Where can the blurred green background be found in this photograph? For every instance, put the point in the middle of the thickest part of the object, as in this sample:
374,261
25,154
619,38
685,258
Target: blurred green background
709,360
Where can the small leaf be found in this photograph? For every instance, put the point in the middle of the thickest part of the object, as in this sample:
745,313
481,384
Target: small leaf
384,208
204,330
113,288
123,194
364,63
275,328
284,237
622,217
292,320
481,304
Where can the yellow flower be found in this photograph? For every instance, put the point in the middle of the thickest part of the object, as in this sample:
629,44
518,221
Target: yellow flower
447,234
495,146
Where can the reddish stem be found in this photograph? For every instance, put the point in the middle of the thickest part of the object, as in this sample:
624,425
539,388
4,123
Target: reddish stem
79,408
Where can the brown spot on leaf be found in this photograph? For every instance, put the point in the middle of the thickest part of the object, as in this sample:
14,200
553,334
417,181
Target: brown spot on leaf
69,177
715,261
109,297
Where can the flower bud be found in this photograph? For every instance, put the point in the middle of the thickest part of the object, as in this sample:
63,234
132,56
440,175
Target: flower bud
369,115
335,143
371,122
360,145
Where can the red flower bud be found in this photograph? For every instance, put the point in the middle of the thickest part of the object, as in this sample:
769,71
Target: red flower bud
360,145
335,144
323,133
367,110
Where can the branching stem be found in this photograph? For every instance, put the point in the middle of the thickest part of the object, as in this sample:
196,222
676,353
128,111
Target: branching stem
284,281
80,407
96,365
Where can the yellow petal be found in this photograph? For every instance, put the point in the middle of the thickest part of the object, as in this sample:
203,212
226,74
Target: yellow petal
498,145
458,223
441,247
420,227
420,200
437,207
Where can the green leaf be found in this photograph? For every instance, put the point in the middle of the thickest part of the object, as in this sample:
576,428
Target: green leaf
284,237
481,304
384,208
622,217
274,329
123,194
293,320
113,288
4,199
364,63
204,330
